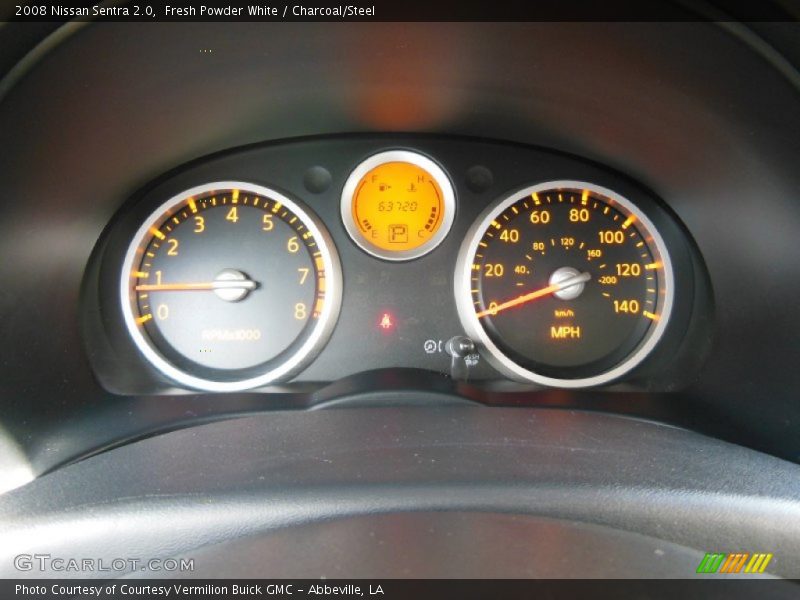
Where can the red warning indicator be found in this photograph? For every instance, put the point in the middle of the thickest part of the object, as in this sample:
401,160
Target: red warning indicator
386,322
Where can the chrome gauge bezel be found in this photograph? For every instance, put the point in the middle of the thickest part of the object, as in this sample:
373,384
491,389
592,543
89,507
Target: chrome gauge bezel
414,158
474,329
295,362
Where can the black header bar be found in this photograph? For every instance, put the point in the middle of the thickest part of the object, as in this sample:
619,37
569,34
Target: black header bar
400,10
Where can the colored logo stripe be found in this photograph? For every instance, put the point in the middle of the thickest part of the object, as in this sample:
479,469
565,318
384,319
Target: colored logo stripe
734,563
710,563
718,562
758,563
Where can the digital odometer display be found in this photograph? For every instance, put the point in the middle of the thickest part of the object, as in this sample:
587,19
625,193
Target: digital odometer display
565,284
230,286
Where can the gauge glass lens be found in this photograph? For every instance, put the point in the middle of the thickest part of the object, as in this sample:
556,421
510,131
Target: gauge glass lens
398,205
229,286
565,284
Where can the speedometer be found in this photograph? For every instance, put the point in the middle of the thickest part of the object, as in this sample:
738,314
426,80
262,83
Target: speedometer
564,284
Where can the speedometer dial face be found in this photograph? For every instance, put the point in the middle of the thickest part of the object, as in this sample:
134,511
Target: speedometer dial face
230,286
565,284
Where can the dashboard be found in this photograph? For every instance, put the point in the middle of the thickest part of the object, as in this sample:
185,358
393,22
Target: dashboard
411,267
303,262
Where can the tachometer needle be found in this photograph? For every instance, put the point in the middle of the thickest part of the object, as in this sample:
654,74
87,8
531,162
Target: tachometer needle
193,287
546,291
230,285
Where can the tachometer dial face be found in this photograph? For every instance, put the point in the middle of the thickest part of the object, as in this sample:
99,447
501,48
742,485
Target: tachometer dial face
565,284
230,286
398,205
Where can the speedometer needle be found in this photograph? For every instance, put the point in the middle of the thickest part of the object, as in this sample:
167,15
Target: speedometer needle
550,289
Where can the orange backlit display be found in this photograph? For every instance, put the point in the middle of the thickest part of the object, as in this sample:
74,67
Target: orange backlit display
397,206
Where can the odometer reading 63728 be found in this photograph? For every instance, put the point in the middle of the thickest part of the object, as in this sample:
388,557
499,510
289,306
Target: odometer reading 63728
565,284
230,286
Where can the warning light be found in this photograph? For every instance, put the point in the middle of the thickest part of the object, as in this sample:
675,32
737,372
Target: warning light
386,322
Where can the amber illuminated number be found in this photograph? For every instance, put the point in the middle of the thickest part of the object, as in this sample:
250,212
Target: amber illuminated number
162,312
540,216
173,247
629,269
158,277
607,280
538,246
626,306
199,224
292,245
611,237
594,253
233,215
510,235
579,215
567,242
494,269
299,311
303,274
266,223
493,308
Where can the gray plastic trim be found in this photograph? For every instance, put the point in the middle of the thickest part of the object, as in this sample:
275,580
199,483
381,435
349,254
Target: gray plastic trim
179,492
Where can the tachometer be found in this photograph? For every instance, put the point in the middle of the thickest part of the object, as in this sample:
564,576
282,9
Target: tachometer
230,286
565,284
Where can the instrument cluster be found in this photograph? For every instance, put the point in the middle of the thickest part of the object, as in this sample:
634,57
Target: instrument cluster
290,265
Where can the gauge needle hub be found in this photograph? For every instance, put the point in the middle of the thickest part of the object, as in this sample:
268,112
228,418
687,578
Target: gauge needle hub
230,285
578,279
